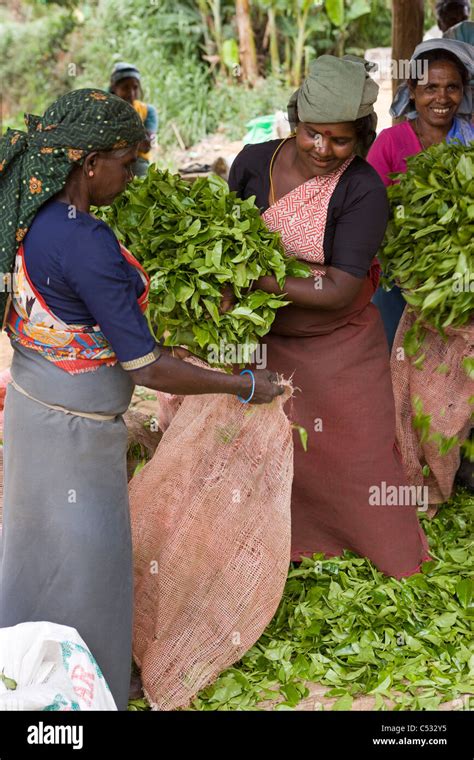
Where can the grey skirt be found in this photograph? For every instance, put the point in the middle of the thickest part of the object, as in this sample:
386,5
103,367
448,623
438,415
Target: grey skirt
66,552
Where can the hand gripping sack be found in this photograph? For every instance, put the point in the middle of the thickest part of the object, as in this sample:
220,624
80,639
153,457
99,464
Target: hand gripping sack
211,533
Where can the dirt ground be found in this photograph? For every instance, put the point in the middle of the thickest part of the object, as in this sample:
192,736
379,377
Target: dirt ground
317,701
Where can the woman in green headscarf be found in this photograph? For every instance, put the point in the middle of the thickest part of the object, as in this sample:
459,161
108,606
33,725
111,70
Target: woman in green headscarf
81,341
330,206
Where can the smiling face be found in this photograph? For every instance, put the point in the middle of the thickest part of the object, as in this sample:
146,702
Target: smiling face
128,89
438,100
112,173
323,148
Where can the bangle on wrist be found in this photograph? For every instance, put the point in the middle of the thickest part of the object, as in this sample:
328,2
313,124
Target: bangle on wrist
246,400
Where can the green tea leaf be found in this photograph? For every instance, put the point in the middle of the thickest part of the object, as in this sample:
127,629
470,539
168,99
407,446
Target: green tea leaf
194,240
465,591
344,703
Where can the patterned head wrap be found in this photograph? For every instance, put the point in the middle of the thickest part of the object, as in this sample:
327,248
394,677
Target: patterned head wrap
35,165
336,90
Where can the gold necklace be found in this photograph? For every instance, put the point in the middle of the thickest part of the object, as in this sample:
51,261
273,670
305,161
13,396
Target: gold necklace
272,190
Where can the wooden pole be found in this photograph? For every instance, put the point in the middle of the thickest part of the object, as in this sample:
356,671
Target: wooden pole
247,50
273,33
407,33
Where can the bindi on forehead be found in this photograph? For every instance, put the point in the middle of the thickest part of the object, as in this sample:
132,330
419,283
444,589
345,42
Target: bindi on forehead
338,131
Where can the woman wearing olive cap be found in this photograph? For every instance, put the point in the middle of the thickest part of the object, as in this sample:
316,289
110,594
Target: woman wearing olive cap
331,209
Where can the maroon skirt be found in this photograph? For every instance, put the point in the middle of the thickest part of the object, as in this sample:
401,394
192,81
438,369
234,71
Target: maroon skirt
339,362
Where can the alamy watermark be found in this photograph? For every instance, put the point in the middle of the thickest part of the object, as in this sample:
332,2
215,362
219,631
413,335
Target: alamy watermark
384,495
237,353
463,283
42,733
9,283
403,69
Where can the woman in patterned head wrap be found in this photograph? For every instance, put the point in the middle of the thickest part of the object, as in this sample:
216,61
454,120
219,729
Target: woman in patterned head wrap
331,209
81,341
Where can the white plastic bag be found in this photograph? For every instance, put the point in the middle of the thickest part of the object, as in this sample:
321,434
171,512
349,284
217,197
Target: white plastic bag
52,668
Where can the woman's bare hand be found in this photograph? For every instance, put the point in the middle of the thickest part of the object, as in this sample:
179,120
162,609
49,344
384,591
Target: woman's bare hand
266,387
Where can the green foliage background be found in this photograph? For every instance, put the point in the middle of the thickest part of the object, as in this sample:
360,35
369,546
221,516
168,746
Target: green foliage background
39,40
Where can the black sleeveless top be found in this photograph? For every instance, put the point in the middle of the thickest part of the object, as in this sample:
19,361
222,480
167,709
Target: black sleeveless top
357,214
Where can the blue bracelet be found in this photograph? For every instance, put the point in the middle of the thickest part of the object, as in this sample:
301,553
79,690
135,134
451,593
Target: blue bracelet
248,372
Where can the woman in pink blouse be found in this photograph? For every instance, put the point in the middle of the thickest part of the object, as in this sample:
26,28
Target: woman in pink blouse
436,103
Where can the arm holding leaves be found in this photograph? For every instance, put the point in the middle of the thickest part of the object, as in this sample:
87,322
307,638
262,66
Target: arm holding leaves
357,237
334,291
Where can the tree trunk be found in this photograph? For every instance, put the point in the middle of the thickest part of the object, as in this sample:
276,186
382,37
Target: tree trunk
340,42
274,52
407,33
203,11
298,52
287,65
247,51
216,14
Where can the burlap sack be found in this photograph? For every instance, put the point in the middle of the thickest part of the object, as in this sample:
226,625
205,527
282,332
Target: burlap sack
444,395
211,532
166,408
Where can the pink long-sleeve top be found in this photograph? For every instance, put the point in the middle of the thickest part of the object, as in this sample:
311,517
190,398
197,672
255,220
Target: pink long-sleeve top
392,148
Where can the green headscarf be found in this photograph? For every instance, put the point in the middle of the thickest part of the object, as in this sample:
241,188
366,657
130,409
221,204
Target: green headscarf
35,165
336,90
